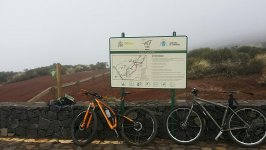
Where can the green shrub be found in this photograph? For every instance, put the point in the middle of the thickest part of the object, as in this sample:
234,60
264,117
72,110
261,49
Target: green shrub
198,69
226,61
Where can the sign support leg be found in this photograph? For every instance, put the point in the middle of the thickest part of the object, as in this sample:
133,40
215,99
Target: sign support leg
173,95
122,103
173,91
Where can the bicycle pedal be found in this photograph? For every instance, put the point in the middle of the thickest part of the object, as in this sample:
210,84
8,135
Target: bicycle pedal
218,135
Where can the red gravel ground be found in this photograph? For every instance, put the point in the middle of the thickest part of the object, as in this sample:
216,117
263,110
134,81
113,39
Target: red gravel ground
210,88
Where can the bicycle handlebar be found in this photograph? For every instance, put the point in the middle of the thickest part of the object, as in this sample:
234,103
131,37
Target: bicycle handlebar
231,99
196,91
235,92
94,94
91,93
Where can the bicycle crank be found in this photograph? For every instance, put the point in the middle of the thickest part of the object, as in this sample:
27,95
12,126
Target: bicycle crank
218,135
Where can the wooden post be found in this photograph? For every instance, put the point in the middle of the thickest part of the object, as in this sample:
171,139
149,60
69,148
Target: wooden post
58,80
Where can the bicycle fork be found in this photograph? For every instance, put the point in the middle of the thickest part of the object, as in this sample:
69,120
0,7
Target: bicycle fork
190,110
86,115
206,113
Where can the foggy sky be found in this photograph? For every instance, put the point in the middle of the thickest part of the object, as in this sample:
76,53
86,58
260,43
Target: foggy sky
36,33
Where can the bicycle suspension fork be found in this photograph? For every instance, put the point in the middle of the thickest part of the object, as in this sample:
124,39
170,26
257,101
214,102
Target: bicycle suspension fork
87,114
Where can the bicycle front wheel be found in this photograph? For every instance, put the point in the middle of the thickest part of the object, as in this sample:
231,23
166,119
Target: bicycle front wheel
247,126
83,134
181,130
139,126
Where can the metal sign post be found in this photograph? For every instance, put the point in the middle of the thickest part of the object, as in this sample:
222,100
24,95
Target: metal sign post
122,103
173,91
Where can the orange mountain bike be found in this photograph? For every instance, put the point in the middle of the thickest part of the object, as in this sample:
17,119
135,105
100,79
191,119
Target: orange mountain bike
138,125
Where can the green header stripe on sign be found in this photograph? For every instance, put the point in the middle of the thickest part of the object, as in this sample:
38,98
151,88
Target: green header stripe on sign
143,52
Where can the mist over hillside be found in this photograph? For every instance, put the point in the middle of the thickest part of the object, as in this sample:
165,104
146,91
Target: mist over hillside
252,40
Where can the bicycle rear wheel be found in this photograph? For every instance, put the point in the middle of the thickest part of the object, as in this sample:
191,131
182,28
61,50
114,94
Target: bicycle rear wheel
142,130
83,135
181,131
251,134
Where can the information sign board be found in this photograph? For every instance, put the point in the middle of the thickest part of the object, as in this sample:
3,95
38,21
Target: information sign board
148,62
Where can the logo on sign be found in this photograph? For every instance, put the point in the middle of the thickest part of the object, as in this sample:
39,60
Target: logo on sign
163,44
124,43
147,44
120,44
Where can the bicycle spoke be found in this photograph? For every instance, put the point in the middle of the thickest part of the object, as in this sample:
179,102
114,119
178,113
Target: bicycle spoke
174,119
172,123
181,131
254,127
128,125
179,134
255,137
140,114
146,135
143,128
193,126
139,138
174,130
247,119
184,115
136,138
187,135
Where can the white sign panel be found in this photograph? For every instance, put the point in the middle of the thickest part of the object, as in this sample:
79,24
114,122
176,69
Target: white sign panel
148,62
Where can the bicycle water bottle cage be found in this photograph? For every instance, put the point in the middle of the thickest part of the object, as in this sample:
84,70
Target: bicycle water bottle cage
194,92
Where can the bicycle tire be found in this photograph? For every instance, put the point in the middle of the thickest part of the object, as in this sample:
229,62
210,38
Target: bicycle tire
83,136
251,136
180,132
143,129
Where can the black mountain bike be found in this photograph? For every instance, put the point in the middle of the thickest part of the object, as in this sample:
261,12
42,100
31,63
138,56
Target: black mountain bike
246,125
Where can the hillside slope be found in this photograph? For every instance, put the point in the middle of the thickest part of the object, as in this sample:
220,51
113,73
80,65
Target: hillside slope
209,88
25,90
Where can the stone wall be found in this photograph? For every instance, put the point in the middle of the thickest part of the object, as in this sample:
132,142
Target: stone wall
38,120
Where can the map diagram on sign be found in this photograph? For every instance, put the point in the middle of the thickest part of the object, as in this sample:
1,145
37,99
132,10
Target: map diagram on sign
128,67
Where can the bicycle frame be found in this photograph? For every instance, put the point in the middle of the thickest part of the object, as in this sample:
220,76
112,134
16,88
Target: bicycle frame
221,127
111,123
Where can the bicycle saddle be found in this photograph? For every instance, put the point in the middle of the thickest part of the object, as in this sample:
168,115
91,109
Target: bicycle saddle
232,102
